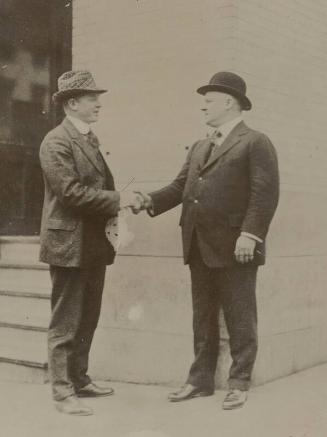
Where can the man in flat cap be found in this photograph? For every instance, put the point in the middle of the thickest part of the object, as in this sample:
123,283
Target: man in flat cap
229,188
79,199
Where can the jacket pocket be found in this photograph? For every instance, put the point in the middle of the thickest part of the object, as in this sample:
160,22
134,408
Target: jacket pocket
63,225
235,220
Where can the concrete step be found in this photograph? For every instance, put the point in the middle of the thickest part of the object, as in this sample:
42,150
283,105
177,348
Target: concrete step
16,372
24,311
19,248
23,355
22,345
42,294
20,277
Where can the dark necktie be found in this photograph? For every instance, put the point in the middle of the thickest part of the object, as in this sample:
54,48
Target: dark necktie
93,142
212,145
92,139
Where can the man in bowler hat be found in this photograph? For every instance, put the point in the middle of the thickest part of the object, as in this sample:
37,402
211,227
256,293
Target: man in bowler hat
229,188
80,197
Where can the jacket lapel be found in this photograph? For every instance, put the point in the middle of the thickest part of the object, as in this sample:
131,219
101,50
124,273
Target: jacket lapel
203,152
232,139
81,141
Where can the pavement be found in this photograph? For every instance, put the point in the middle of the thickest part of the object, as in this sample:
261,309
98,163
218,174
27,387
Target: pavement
295,406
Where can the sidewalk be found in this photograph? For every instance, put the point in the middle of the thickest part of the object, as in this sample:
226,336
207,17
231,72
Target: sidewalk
295,406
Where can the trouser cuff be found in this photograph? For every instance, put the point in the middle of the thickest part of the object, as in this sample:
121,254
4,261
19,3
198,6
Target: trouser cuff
237,384
202,383
81,384
61,396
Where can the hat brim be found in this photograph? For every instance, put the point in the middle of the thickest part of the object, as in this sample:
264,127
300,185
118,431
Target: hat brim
245,103
67,94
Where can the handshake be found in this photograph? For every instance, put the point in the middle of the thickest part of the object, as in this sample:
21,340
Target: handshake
135,200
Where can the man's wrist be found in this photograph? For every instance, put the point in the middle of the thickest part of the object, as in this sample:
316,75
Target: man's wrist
150,206
252,236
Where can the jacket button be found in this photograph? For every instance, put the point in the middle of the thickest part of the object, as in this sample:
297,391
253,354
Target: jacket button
196,201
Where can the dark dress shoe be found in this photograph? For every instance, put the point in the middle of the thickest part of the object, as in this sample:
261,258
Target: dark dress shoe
93,391
72,405
189,391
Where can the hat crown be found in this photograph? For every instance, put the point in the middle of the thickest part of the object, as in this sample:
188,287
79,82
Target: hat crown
72,83
228,79
76,80
229,83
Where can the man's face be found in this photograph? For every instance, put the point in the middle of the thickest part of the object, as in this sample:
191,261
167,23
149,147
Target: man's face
86,107
215,108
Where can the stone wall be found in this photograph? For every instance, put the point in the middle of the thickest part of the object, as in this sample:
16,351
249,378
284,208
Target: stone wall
152,55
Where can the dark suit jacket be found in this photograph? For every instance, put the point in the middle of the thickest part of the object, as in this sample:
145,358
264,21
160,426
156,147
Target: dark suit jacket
79,198
236,190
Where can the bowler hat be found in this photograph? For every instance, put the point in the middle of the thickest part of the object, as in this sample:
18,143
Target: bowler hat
229,83
74,83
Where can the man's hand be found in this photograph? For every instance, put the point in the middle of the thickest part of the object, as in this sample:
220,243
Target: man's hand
244,249
146,200
130,199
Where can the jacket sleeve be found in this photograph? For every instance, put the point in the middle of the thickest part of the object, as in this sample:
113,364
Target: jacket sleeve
264,187
60,171
170,196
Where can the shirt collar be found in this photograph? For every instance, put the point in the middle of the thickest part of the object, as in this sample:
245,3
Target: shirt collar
80,125
226,128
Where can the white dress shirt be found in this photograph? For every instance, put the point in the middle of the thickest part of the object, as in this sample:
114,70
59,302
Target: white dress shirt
225,129
80,125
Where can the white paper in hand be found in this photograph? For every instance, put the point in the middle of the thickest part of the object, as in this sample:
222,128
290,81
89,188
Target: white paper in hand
117,230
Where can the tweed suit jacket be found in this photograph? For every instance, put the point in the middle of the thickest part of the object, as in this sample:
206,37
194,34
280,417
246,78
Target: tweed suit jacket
236,190
79,197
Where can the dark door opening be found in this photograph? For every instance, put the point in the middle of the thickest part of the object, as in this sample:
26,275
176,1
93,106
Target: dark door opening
35,47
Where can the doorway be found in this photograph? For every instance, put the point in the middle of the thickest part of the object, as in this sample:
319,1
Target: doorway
35,48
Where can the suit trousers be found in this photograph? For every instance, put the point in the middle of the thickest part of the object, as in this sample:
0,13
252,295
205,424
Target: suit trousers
75,303
232,289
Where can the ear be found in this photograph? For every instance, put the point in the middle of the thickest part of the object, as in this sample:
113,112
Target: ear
229,102
233,103
72,103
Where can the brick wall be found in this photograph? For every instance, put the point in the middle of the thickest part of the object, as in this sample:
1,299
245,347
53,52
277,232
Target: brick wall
152,55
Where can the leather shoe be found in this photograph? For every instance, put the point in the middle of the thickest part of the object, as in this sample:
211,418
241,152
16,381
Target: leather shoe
94,391
72,405
189,391
235,399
